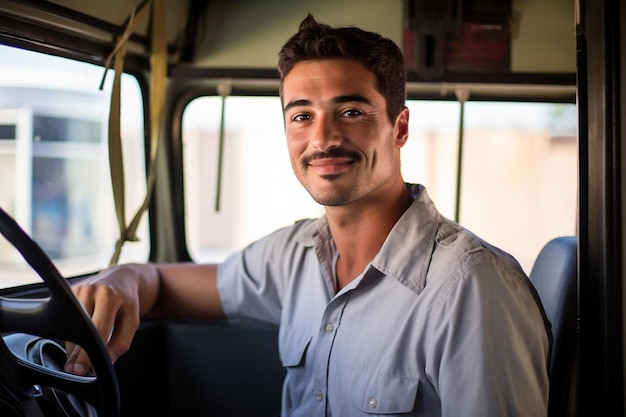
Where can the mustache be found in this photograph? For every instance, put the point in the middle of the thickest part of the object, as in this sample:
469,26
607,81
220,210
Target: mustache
331,153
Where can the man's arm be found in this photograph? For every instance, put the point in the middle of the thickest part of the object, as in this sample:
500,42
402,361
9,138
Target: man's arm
187,290
119,297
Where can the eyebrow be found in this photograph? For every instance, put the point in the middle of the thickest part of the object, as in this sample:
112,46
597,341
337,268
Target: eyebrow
337,100
296,103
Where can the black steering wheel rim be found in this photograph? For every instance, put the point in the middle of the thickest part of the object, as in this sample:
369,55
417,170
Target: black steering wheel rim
59,317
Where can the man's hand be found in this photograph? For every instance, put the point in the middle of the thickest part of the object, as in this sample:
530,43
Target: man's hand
115,300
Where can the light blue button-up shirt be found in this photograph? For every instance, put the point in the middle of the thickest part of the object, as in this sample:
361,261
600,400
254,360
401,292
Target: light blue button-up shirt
439,324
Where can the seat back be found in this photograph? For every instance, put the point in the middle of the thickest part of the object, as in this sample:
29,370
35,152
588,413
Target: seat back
554,276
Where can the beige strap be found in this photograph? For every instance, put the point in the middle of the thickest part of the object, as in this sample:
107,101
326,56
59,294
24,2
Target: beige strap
116,163
135,16
158,67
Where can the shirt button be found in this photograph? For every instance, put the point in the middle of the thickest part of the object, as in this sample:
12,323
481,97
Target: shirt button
373,403
330,328
319,396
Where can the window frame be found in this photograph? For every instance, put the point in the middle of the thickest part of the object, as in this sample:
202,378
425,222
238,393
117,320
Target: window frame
248,88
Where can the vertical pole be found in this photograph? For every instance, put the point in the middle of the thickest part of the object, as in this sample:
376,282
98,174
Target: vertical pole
224,91
462,95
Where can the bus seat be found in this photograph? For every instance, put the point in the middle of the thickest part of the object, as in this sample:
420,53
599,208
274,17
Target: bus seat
554,276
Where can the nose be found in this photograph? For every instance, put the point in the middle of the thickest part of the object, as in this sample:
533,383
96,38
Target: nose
326,133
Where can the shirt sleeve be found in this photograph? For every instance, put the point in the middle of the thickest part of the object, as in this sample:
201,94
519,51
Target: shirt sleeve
490,346
252,282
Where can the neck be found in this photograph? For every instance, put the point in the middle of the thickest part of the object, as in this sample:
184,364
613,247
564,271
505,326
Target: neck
360,229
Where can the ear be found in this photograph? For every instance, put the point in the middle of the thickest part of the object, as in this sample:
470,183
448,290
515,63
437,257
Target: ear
401,128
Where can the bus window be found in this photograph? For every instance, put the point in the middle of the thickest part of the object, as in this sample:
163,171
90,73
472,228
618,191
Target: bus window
54,161
429,156
258,194
518,183
519,174
518,169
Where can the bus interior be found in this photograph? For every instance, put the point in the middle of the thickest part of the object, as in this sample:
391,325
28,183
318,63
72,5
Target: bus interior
152,131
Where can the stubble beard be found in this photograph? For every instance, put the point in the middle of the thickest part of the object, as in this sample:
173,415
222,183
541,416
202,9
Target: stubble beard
336,196
333,197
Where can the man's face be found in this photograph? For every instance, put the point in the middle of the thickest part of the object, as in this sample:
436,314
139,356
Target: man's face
342,146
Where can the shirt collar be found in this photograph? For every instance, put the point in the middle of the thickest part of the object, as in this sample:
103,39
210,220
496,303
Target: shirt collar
406,253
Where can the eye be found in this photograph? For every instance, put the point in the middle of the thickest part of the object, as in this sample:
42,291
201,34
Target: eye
350,113
300,117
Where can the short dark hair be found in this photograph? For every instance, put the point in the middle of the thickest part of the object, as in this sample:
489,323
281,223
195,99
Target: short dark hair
377,54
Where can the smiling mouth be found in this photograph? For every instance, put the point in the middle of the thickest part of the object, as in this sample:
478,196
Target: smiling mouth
330,166
331,162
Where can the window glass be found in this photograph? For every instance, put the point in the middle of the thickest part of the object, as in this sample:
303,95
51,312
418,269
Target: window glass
518,186
430,154
259,192
519,169
520,174
54,159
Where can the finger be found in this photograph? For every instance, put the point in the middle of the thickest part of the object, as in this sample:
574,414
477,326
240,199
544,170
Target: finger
86,295
78,361
122,336
73,351
116,320
102,305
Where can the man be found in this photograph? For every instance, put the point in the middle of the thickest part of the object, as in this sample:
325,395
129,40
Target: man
384,305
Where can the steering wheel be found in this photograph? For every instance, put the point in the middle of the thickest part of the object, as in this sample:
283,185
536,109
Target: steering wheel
28,374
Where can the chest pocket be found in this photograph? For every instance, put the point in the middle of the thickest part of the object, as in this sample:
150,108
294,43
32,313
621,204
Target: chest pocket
293,347
382,394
